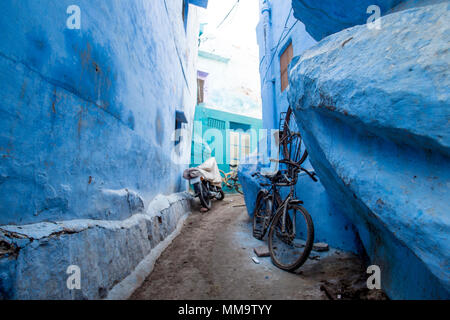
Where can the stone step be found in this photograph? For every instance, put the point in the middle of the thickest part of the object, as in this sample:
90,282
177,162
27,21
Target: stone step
262,251
321,246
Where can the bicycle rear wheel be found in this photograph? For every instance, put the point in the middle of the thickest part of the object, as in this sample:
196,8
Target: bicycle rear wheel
261,215
290,247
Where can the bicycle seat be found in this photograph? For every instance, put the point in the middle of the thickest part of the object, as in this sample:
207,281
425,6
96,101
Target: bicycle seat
271,171
268,174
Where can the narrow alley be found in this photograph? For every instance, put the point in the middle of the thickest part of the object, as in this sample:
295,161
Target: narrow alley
225,150
212,259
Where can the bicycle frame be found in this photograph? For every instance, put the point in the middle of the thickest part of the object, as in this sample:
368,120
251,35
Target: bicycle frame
282,204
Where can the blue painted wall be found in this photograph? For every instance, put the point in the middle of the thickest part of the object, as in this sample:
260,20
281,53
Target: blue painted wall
86,113
200,3
330,224
373,106
325,17
88,119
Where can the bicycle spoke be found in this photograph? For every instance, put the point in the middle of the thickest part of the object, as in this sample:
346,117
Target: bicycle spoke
290,246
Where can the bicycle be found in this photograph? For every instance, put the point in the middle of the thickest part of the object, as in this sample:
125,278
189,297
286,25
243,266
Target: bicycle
231,180
287,220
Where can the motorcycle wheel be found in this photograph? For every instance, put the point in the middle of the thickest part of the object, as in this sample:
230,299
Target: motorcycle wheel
203,195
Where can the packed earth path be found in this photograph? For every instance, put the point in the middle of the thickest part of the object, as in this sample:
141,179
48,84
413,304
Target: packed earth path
212,258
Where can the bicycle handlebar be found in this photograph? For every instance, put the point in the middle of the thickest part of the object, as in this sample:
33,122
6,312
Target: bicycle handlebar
311,175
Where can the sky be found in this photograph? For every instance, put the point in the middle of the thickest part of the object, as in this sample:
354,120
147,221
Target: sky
235,38
239,28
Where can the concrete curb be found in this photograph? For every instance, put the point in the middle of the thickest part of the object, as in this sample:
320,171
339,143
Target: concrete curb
127,286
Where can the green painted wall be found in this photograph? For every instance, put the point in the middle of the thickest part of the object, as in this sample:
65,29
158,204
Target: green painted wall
212,130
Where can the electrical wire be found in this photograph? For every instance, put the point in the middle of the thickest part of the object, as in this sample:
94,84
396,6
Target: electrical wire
278,44
205,36
280,40
228,14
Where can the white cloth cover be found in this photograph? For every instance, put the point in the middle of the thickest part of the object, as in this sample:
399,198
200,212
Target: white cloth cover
208,170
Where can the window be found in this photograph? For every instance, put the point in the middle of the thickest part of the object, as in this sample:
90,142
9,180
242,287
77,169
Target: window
202,86
285,59
215,123
180,118
239,147
234,149
200,91
245,145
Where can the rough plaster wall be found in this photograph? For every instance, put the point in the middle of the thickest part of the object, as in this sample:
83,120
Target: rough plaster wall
37,257
87,115
325,17
374,108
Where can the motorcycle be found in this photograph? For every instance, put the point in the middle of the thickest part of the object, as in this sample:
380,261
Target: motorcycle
206,182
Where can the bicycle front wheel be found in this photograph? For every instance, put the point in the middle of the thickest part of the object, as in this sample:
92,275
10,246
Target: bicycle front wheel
291,238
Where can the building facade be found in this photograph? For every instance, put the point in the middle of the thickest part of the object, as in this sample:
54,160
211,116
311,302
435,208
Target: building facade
230,138
91,97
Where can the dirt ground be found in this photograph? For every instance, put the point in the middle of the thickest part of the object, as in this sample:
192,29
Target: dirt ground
212,259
